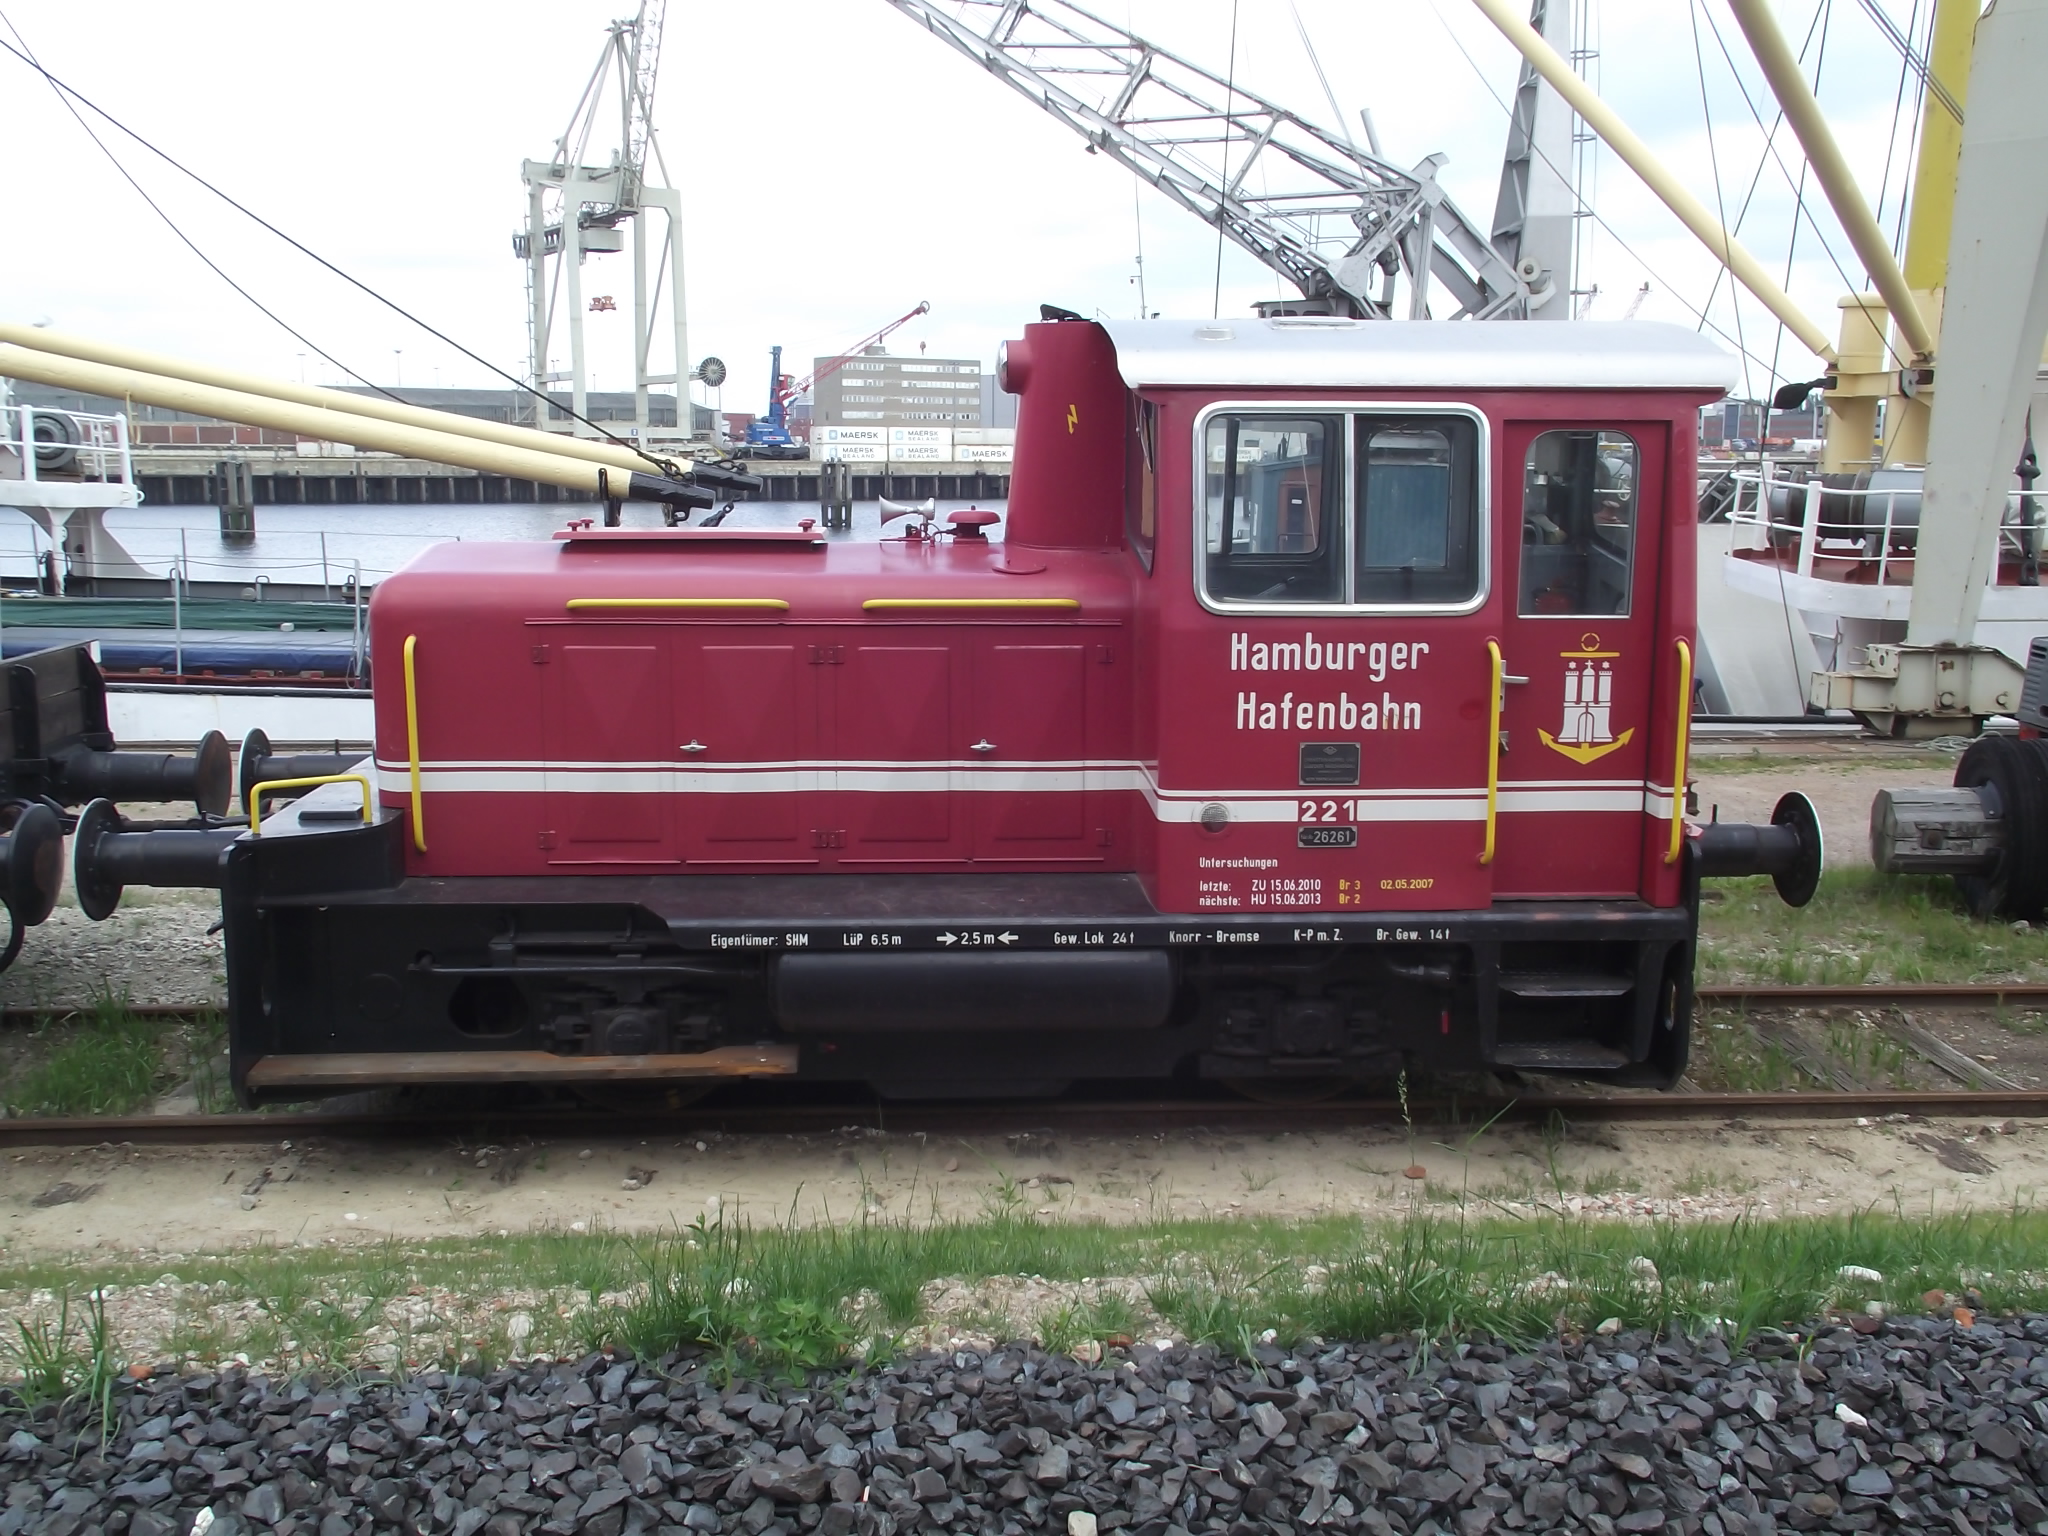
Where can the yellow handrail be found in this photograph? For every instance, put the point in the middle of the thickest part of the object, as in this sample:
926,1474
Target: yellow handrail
1498,674
1678,752
257,792
875,603
412,745
577,603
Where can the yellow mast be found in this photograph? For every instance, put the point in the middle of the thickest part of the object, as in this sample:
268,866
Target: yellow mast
1931,211
1941,145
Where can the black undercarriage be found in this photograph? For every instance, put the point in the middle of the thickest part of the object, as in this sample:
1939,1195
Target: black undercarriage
344,975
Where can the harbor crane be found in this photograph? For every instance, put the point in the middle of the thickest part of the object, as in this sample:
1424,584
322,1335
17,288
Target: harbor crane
769,438
576,207
1356,234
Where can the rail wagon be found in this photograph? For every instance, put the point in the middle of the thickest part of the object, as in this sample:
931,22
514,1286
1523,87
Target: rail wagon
1317,708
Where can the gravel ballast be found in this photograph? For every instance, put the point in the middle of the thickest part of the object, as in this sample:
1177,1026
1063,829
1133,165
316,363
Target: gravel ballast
1921,1425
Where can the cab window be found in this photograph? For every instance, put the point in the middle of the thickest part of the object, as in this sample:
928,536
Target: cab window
1578,525
1272,509
1418,512
1141,481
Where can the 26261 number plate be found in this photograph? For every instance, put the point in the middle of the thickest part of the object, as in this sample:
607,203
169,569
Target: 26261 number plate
1326,837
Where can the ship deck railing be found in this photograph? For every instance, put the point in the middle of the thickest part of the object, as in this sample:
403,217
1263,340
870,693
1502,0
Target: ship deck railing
1802,526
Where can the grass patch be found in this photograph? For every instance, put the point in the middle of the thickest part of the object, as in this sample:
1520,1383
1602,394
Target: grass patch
1729,1056
110,1060
789,1299
1860,927
67,1358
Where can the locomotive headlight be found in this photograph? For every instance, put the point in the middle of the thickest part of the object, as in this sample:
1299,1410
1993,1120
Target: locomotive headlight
1215,817
1013,367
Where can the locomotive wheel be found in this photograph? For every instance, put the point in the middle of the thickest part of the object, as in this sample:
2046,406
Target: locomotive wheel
1289,1090
2018,772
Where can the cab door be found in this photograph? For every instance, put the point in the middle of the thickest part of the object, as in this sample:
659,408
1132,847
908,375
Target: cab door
1030,749
1581,529
744,738
605,731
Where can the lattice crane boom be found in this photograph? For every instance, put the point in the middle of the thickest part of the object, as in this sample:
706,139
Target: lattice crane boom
646,61
1342,225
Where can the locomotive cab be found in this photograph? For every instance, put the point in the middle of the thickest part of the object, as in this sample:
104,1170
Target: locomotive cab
1318,709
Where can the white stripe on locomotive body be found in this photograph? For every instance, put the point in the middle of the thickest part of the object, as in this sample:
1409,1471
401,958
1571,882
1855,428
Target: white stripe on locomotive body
1459,803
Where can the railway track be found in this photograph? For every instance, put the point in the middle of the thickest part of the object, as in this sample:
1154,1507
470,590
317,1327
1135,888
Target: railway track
1070,1116
792,1114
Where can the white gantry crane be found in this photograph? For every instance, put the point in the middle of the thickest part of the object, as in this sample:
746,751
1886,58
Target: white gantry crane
1356,234
575,207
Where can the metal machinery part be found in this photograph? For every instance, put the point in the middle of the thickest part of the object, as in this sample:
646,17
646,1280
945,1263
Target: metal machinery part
260,765
2033,711
55,744
1790,850
1989,831
1340,224
56,444
107,856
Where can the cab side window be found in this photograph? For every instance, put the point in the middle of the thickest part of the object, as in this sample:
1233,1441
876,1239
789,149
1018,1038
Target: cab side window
1578,525
1141,480
1272,500
1418,510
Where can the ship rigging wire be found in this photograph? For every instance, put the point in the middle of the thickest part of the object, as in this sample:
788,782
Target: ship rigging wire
172,225
1822,16
682,366
1586,208
1699,58
1891,146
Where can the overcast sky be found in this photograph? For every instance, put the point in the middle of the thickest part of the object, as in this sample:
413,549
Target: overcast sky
840,165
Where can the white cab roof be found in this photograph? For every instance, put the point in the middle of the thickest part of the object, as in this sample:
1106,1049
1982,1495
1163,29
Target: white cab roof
1319,352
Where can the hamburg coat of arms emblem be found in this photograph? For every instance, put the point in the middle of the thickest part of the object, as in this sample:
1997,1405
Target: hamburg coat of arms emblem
1586,733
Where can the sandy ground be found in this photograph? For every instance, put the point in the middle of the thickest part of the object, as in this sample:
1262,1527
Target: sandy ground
154,949
167,1201
1840,792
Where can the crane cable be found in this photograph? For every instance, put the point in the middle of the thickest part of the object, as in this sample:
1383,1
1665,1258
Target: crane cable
1223,201
665,466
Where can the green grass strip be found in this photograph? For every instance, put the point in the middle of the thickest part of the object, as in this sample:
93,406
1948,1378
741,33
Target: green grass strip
795,1298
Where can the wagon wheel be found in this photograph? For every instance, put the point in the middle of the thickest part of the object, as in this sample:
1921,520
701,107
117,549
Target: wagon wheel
16,928
1289,1090
2017,770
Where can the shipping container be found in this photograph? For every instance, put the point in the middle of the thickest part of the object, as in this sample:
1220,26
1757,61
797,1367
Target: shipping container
983,453
828,433
919,453
984,436
930,437
851,453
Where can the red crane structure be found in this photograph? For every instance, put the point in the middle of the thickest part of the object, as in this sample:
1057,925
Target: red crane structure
769,437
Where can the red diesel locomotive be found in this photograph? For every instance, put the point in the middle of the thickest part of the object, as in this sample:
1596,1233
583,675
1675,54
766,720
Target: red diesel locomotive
1321,709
